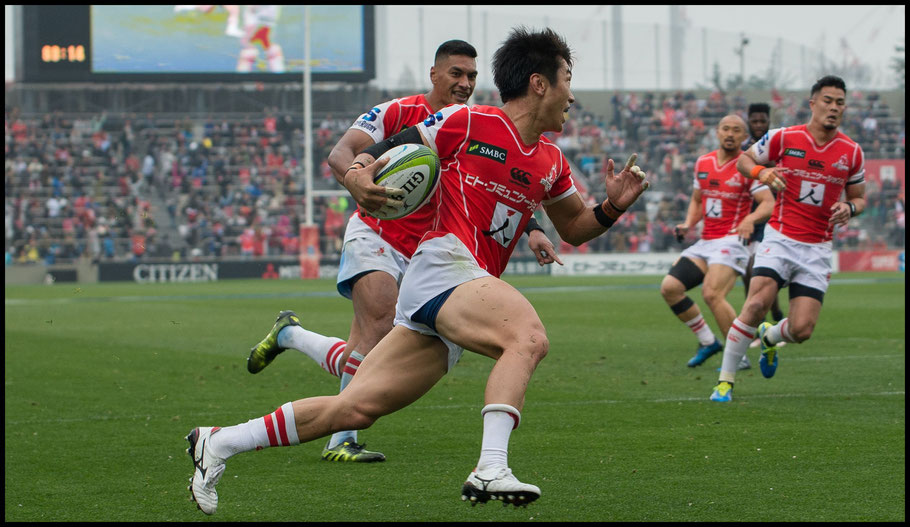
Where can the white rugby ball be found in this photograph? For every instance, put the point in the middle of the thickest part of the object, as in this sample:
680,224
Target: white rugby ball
413,168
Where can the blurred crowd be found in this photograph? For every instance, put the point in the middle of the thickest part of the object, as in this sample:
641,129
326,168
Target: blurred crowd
127,187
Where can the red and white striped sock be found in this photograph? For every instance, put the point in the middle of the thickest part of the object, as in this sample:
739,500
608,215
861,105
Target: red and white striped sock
275,429
350,368
738,339
780,332
702,330
325,351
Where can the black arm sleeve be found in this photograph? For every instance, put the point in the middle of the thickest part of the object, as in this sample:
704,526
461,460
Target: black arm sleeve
409,135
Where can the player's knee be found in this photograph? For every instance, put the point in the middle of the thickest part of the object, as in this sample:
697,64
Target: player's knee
672,289
538,345
801,332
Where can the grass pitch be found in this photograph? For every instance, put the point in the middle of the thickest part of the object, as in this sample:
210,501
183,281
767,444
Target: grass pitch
104,380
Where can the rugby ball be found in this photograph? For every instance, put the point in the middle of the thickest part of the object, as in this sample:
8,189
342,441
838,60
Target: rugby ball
413,168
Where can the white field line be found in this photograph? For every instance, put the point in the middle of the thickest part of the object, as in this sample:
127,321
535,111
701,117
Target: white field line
200,417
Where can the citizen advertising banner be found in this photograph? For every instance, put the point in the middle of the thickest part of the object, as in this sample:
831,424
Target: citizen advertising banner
152,272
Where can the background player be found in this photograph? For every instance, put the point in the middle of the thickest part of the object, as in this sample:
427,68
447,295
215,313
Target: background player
759,119
376,252
258,22
451,297
722,197
816,164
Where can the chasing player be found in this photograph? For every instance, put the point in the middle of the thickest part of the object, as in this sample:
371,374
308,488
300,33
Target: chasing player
451,298
723,198
816,164
376,252
759,119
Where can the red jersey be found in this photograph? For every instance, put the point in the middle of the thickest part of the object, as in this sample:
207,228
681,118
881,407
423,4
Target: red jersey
816,175
726,195
383,121
491,182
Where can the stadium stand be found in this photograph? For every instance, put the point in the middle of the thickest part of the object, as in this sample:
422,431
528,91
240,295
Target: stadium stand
118,186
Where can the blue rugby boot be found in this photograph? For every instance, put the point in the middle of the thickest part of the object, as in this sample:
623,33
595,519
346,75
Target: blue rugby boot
723,392
703,352
768,361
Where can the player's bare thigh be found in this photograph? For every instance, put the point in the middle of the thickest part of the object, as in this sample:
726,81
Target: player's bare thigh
487,316
762,292
399,370
719,281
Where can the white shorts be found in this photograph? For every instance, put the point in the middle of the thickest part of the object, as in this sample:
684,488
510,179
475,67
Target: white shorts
728,251
807,264
439,264
365,251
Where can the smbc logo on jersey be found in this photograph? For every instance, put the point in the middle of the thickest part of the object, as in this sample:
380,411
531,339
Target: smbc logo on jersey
478,148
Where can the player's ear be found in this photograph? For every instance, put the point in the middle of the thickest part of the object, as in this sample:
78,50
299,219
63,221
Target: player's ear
433,75
538,84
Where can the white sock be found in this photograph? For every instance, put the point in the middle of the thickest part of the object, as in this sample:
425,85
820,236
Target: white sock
350,368
325,351
701,330
738,339
498,422
780,332
275,429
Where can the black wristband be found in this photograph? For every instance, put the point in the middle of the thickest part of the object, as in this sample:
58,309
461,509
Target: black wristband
852,208
409,135
602,217
533,226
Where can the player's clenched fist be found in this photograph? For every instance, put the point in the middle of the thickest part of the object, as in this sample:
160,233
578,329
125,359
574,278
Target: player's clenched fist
624,188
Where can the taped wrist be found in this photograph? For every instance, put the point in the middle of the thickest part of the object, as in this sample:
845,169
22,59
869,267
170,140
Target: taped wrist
409,135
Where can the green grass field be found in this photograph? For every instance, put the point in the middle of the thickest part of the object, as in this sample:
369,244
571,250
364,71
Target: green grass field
103,382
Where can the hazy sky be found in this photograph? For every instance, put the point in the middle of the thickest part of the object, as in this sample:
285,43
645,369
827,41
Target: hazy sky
870,32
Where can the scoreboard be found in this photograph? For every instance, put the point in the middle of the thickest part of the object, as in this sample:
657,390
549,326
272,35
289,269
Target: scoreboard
167,43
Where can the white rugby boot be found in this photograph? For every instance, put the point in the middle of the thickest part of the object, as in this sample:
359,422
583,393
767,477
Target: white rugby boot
207,469
498,485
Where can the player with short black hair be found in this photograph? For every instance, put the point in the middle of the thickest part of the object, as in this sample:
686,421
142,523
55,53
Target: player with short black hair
451,297
815,165
376,252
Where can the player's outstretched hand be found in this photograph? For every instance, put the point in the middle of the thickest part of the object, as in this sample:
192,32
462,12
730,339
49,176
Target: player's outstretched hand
368,195
624,188
542,248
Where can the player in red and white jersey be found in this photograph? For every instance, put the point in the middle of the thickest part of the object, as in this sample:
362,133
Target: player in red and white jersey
476,143
459,303
723,198
816,165
376,252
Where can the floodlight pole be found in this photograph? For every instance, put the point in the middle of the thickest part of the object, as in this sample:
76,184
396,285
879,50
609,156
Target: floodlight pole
307,118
